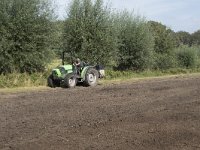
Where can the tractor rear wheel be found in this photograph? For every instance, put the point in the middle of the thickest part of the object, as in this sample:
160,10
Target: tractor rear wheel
91,77
70,81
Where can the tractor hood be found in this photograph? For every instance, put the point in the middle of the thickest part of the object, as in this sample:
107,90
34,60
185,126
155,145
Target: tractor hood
67,67
61,71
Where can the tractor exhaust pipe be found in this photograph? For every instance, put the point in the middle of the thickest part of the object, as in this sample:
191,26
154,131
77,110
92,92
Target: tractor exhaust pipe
63,57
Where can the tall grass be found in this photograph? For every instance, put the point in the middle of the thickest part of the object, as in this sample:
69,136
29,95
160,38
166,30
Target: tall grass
112,75
40,79
27,80
23,80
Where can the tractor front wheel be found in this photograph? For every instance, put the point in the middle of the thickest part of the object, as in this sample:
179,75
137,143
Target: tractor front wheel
70,81
50,82
91,77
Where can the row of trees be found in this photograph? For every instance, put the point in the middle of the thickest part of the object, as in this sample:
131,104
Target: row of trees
122,40
187,38
26,31
30,35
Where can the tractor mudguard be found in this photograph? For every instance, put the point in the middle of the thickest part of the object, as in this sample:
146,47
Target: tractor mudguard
84,72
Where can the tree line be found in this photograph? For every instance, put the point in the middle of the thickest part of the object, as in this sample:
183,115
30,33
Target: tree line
31,36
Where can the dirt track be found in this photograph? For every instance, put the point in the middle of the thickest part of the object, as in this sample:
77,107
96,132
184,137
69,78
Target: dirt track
154,114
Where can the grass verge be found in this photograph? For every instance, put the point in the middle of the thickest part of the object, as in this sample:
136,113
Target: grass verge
16,80
112,75
120,76
23,80
22,89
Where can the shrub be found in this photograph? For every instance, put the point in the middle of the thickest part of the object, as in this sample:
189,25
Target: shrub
187,57
164,61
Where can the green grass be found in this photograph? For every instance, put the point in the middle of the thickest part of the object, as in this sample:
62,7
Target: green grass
22,89
15,80
40,79
23,80
123,75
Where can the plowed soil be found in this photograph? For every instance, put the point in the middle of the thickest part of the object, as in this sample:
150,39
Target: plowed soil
144,115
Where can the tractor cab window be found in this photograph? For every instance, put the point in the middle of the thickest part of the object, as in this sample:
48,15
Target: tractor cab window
62,70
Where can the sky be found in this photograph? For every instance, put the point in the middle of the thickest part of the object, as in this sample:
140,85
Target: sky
179,15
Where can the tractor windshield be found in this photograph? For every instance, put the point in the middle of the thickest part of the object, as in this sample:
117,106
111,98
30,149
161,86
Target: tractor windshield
62,70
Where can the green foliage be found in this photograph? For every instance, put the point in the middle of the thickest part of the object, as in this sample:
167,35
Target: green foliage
184,38
165,40
126,75
89,33
29,36
196,38
25,35
57,44
135,42
164,61
40,79
110,74
23,80
187,56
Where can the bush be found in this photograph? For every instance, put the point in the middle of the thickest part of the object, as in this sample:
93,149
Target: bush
187,57
164,61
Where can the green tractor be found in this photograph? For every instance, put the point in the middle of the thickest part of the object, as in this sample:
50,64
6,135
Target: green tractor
66,76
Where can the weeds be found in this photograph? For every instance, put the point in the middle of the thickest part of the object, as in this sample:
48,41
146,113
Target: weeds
40,79
110,75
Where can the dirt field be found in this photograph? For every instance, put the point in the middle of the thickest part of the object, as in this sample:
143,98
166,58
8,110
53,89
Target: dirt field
154,114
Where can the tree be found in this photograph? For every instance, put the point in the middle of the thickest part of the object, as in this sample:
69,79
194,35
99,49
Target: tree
136,42
184,38
25,35
165,40
89,32
58,36
196,38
